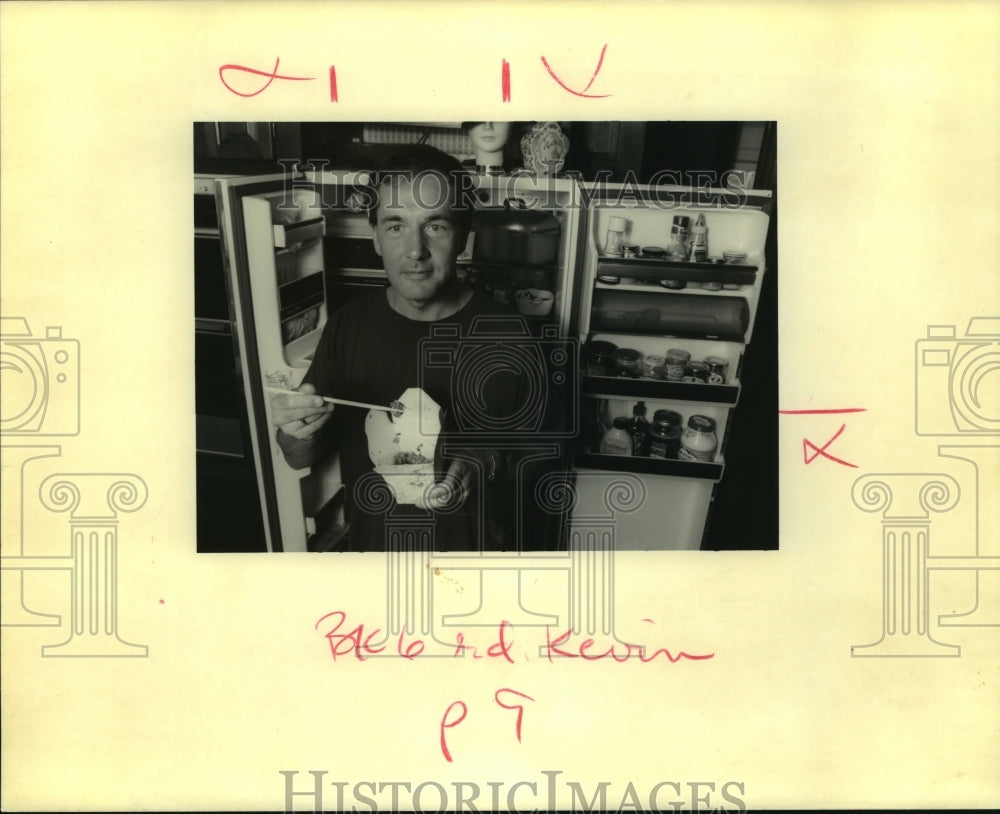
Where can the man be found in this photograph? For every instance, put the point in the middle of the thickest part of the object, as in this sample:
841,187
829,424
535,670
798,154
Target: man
370,351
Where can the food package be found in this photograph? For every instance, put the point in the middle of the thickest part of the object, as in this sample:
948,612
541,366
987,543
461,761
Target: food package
402,446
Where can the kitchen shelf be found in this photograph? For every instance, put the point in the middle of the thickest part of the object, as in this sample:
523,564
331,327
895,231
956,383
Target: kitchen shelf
655,390
651,466
710,272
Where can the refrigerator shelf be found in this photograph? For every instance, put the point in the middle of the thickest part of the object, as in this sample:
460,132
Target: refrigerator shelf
651,466
643,269
654,390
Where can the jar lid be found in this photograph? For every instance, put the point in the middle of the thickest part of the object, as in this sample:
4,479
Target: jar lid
666,419
697,365
654,251
600,348
621,423
617,224
677,353
655,361
627,355
701,423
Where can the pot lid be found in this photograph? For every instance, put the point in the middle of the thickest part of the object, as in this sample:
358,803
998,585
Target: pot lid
515,217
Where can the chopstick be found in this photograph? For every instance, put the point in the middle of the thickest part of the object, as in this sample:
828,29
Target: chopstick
331,399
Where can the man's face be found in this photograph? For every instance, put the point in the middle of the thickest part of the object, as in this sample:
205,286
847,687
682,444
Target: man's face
418,237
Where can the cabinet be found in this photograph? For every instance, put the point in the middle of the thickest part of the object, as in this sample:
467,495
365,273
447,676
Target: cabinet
655,306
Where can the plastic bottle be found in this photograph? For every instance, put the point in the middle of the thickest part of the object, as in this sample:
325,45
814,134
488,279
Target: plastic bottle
614,240
699,241
617,440
698,441
639,429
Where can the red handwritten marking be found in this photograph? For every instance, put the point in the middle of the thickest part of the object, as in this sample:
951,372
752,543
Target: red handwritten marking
505,81
518,707
554,646
807,444
412,650
582,93
354,641
333,84
163,601
270,77
445,725
823,412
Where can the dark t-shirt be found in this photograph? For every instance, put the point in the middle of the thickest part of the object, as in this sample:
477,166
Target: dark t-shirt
370,353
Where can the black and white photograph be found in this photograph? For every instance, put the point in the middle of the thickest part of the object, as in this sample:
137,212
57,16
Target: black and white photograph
481,332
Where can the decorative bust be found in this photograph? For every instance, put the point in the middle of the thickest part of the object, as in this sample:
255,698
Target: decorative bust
544,148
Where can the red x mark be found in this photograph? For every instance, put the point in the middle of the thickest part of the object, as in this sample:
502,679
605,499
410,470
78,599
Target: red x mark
807,444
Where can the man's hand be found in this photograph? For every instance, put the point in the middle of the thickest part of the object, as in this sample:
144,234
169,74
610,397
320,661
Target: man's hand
454,488
301,415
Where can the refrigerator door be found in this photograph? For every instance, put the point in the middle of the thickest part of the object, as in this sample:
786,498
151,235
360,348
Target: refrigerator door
660,305
272,230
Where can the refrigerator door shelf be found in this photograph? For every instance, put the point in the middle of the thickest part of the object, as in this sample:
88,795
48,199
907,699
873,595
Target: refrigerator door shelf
652,466
655,270
653,389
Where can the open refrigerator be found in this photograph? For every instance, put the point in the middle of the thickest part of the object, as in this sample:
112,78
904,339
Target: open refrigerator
281,236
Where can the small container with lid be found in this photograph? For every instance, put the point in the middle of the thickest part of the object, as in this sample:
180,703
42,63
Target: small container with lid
698,441
630,250
628,363
617,440
696,372
598,358
664,435
718,369
654,253
674,361
654,367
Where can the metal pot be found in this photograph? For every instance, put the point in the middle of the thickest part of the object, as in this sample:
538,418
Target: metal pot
516,236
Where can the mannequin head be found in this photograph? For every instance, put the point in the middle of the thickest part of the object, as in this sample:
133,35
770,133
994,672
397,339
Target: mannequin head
489,139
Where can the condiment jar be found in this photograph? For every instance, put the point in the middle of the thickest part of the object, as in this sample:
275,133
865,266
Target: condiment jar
617,441
675,360
664,435
696,372
698,441
718,369
598,358
628,363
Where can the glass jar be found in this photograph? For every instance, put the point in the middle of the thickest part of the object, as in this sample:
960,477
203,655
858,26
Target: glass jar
698,441
664,435
654,367
628,363
598,358
675,360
